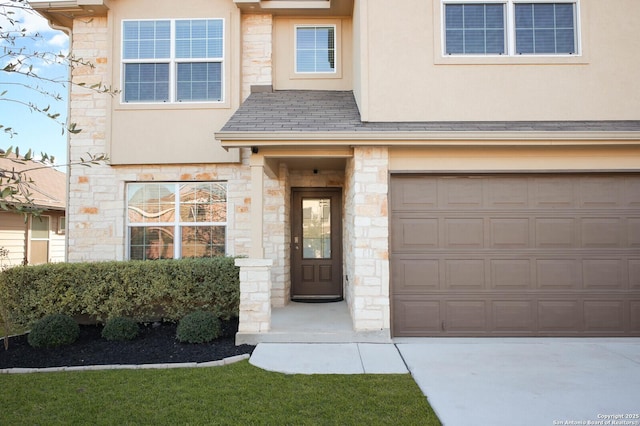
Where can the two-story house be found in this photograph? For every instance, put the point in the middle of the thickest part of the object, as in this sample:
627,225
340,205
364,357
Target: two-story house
447,167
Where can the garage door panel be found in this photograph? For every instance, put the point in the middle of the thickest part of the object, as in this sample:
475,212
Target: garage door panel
557,274
516,255
504,193
634,314
553,193
414,234
559,316
465,316
464,274
552,232
416,317
416,275
601,315
601,232
509,233
634,274
604,274
514,316
460,193
464,233
414,194
600,192
633,231
511,274
631,194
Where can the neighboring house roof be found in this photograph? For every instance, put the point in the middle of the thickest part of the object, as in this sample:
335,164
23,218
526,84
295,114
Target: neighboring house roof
48,186
305,114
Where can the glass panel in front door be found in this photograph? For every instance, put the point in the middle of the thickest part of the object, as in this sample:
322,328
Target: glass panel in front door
316,228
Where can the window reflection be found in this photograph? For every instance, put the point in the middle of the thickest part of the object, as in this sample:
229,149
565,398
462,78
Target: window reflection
316,228
168,220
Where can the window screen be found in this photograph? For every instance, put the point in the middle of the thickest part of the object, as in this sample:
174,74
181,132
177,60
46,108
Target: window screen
173,60
474,29
545,28
315,49
510,27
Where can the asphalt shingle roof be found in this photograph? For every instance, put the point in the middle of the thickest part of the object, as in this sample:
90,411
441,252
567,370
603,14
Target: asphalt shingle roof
336,111
48,186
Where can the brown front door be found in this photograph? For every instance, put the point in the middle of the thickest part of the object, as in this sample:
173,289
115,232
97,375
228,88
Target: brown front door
316,244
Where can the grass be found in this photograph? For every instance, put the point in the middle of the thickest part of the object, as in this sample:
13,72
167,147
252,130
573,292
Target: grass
237,394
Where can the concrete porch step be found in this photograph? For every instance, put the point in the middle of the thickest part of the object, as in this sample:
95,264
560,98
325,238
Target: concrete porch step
313,323
312,337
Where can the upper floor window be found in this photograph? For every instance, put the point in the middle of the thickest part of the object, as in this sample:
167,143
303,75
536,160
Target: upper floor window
510,27
315,49
545,28
173,60
475,28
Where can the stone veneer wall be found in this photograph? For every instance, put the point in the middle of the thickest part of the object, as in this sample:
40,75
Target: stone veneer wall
277,223
96,209
276,235
256,51
367,238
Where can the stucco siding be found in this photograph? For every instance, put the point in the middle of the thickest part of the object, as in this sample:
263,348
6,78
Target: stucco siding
166,133
411,80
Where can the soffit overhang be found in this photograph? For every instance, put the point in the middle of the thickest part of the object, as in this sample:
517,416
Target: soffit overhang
297,7
62,13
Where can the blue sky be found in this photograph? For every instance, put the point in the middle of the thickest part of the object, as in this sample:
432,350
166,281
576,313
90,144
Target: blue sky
34,130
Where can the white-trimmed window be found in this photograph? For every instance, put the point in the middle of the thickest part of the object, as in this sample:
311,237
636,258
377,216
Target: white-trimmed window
315,48
167,220
173,60
510,27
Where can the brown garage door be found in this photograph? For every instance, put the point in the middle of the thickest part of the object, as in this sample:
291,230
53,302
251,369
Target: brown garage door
515,255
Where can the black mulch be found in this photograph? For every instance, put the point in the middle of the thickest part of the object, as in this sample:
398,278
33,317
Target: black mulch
156,344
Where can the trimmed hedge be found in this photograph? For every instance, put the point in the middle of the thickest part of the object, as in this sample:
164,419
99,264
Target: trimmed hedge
140,290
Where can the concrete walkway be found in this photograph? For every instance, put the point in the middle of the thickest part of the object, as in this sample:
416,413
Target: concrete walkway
490,381
329,358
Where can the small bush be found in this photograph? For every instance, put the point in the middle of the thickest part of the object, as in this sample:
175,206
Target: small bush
53,330
199,327
120,328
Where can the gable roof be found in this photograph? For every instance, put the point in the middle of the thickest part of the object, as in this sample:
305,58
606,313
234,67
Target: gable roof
48,187
316,115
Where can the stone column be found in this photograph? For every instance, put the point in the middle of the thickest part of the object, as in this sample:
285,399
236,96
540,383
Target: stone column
255,295
370,231
257,206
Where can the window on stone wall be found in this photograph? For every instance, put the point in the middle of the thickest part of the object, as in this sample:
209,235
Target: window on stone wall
176,220
173,60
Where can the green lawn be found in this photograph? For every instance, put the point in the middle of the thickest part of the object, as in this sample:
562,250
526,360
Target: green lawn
237,394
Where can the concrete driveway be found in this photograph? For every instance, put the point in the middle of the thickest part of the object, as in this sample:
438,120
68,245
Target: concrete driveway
556,381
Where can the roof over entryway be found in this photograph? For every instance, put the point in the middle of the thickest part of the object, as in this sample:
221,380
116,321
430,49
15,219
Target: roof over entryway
324,118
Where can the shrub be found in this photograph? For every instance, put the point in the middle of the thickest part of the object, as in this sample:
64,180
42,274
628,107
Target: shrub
120,328
141,290
53,330
199,327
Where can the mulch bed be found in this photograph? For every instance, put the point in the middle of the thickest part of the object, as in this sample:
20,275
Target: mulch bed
156,344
